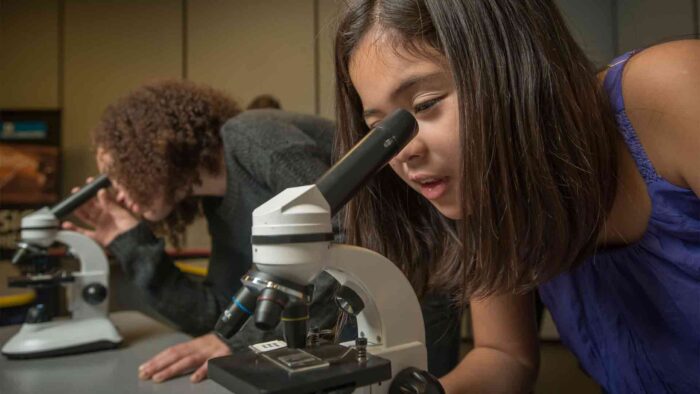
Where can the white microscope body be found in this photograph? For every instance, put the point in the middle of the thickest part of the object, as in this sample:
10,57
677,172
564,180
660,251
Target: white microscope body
89,328
391,319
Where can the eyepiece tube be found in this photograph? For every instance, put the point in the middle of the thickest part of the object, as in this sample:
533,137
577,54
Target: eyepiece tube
237,313
367,157
78,198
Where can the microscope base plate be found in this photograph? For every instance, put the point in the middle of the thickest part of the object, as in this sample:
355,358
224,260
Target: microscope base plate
61,337
248,372
84,348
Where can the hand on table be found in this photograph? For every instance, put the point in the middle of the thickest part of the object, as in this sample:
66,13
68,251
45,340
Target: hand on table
183,358
105,215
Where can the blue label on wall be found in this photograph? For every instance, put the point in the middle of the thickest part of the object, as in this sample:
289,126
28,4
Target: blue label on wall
24,130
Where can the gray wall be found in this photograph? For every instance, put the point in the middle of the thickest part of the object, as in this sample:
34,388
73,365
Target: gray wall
593,25
605,28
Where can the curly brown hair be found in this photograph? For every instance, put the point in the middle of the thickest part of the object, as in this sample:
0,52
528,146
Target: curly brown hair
164,133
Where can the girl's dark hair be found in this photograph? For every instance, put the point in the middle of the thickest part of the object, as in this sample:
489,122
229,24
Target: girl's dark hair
538,139
160,136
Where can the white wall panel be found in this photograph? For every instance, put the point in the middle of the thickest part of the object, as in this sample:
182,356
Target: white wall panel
251,47
111,47
29,45
647,22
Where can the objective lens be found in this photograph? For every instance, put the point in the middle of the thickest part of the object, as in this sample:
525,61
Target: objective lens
269,308
295,318
237,313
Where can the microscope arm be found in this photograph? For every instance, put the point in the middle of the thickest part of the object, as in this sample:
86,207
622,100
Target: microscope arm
90,254
93,275
389,300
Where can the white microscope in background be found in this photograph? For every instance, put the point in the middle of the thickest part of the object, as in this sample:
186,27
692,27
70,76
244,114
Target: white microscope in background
89,328
292,243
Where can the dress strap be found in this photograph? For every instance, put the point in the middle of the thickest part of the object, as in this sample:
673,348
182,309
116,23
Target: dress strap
613,86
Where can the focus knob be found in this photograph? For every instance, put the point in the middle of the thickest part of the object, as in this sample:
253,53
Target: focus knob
94,293
415,381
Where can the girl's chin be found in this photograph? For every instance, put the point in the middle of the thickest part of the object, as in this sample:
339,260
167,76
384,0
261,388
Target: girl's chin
450,211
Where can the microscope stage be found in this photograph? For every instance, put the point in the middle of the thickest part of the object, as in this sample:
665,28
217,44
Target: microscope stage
322,368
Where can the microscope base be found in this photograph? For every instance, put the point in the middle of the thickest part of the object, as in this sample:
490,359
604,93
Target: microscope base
62,337
248,372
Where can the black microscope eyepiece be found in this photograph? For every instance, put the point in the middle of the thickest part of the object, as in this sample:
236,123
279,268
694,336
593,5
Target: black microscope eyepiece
366,158
78,198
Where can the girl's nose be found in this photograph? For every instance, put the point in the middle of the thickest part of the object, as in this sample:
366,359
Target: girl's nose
414,150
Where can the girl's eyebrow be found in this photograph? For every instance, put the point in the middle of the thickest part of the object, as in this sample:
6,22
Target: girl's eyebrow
415,80
410,82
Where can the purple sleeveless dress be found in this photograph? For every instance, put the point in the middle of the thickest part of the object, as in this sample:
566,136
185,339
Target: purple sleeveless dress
632,314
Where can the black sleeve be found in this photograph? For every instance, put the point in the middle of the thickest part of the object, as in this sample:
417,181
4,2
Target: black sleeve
192,306
279,150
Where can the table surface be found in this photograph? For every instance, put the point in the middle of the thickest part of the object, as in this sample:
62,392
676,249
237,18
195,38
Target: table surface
110,371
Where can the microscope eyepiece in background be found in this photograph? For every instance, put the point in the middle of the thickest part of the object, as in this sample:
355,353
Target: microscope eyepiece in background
78,198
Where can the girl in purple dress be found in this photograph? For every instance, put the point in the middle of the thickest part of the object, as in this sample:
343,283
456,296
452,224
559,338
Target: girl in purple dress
531,171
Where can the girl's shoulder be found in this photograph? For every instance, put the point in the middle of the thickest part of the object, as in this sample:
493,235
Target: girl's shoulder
658,76
661,90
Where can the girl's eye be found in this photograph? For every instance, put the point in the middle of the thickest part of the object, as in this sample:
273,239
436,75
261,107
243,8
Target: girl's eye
426,105
420,107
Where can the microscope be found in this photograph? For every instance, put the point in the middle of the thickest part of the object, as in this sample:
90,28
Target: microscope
292,243
89,328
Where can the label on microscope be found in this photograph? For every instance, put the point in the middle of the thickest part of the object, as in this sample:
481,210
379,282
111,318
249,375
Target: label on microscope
263,347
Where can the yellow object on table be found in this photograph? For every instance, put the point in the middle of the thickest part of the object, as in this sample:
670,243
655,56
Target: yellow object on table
16,297
10,296
197,267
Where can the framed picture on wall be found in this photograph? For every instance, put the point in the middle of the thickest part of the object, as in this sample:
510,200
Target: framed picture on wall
30,158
